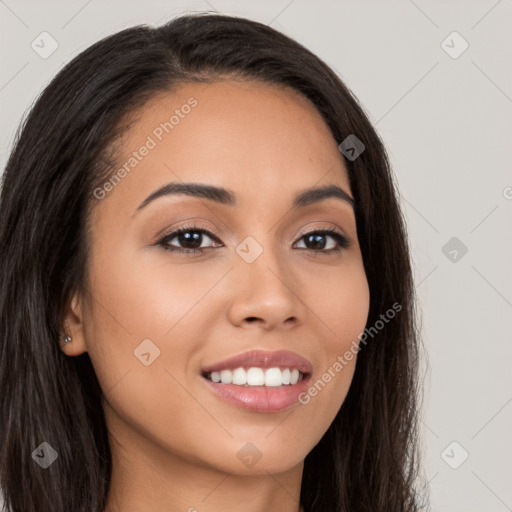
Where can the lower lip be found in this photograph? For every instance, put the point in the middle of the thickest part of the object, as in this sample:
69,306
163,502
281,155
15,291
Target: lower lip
260,398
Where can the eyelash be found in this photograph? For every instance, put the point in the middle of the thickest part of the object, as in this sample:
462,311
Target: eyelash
342,240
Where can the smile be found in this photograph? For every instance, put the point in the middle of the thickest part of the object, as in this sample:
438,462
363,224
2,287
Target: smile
259,381
254,376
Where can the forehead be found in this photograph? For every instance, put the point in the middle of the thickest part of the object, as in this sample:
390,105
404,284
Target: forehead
256,138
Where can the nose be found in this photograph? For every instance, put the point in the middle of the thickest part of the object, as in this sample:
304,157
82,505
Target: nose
263,294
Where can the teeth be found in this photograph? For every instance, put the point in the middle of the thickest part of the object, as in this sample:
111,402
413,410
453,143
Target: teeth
239,377
226,376
271,377
255,377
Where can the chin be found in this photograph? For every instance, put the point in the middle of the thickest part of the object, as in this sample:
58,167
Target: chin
260,457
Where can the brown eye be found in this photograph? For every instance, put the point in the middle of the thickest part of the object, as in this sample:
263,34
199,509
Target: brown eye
189,238
317,241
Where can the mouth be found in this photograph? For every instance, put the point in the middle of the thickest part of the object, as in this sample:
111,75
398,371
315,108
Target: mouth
260,381
255,376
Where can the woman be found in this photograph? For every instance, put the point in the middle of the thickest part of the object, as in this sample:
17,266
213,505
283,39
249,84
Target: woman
207,299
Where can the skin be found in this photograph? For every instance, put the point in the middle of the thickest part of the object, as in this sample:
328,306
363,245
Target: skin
174,442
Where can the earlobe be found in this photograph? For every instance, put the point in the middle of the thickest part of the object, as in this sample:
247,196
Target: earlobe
72,340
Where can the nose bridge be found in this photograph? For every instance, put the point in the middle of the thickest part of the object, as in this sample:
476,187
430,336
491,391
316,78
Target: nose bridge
261,259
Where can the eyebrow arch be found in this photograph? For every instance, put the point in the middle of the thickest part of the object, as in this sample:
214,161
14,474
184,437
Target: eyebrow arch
227,197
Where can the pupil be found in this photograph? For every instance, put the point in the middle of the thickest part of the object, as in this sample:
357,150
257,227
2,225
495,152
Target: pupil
187,239
319,241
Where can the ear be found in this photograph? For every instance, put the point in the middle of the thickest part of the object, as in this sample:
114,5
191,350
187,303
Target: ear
73,326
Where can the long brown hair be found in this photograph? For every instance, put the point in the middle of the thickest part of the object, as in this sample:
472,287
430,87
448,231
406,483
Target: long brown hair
367,460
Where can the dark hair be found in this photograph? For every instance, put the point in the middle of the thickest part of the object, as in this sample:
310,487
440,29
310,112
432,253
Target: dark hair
368,458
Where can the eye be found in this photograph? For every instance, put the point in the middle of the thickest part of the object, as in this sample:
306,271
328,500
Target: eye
317,239
191,240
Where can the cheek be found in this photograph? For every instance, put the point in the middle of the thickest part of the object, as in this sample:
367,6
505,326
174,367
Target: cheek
147,299
130,316
343,305
131,311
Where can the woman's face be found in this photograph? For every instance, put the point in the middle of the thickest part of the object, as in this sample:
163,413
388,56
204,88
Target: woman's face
156,317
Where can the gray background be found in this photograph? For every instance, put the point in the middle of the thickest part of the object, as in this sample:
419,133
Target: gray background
447,125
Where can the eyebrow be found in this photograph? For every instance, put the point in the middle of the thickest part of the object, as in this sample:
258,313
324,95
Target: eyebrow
228,197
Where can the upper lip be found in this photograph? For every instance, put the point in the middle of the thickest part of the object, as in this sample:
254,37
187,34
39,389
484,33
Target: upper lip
263,359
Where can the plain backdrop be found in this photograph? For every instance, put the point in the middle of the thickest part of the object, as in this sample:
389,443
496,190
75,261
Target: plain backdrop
436,81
